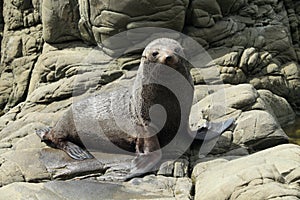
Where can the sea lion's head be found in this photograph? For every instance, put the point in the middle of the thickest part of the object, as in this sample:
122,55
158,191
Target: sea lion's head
164,51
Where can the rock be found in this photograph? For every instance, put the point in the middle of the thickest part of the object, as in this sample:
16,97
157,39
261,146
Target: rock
292,74
60,21
22,166
20,14
257,176
222,29
176,168
204,13
21,44
59,74
148,188
255,128
201,91
6,88
65,190
96,22
236,97
49,57
285,80
178,188
258,130
259,69
166,168
248,59
231,6
277,106
21,84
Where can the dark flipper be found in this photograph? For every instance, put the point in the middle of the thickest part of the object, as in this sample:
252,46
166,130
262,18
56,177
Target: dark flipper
43,132
211,130
143,163
209,134
75,151
70,148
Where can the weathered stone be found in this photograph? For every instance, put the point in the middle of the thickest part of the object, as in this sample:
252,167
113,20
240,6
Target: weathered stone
238,97
258,130
277,106
178,188
181,168
237,102
231,6
222,29
201,91
60,21
166,168
20,44
149,188
203,13
257,176
176,168
6,88
252,42
21,68
22,165
59,74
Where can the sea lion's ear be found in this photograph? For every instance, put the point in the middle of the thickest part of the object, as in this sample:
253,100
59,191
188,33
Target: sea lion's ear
187,53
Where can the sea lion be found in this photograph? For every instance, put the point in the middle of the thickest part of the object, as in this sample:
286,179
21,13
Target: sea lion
151,116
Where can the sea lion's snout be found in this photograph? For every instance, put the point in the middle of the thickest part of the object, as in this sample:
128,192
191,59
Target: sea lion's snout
163,57
168,59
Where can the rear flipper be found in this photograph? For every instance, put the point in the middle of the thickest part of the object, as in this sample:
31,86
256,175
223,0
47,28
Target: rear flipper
211,130
209,134
73,150
143,163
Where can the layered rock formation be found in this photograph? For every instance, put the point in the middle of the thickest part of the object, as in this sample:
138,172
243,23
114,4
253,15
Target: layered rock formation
49,50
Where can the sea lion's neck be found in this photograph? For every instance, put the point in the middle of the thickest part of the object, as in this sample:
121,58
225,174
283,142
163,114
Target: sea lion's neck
172,89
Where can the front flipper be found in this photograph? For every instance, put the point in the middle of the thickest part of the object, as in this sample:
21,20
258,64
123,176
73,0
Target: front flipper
75,151
211,130
143,163
42,133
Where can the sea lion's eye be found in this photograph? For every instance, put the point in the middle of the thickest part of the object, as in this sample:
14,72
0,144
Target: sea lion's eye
154,53
177,50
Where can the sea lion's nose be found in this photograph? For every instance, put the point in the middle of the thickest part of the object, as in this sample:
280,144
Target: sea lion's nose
168,58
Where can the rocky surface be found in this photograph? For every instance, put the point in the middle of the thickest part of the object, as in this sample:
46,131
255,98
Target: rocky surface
269,174
49,59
